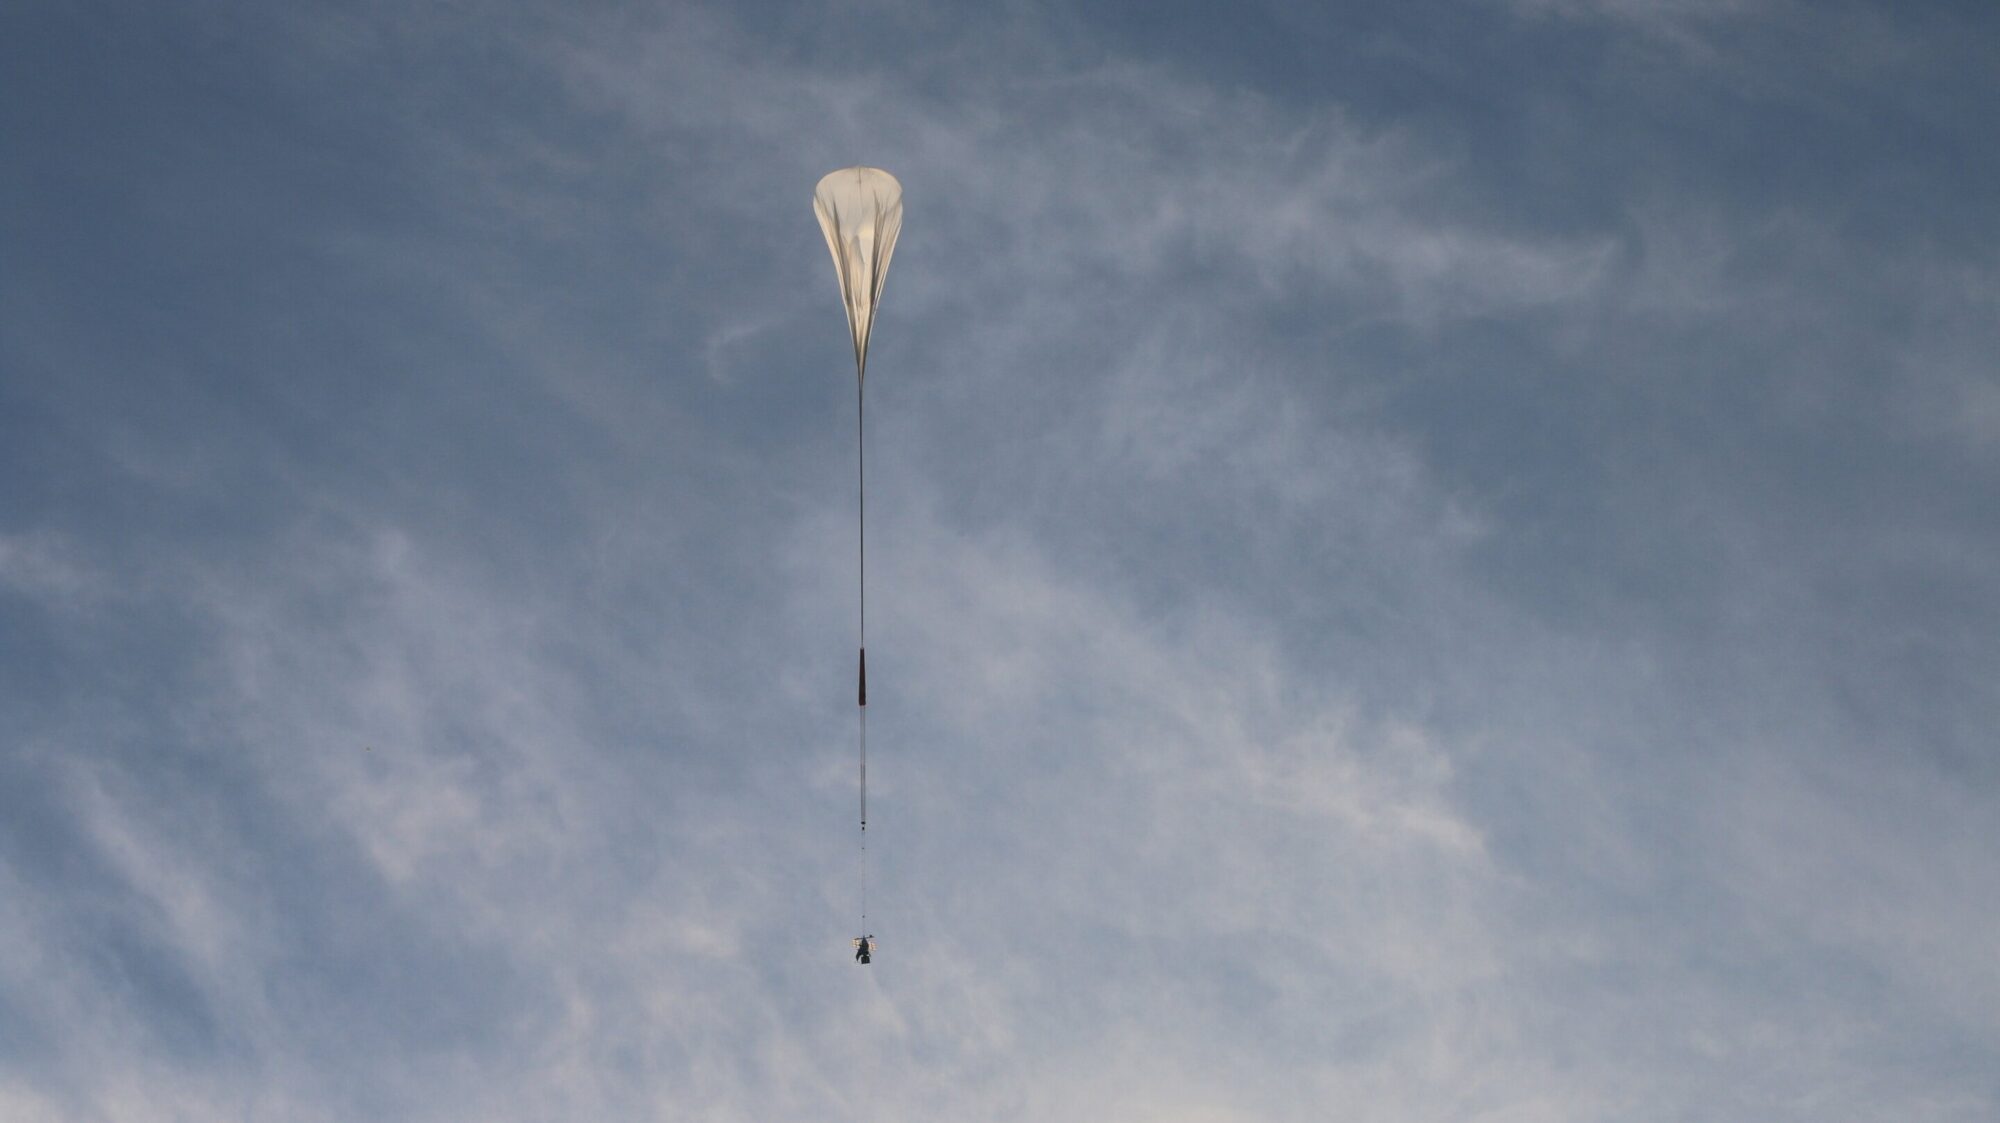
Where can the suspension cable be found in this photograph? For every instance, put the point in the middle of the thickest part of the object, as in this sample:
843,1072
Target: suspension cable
861,686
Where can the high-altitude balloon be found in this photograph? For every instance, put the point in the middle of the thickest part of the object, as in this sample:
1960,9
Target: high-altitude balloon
861,211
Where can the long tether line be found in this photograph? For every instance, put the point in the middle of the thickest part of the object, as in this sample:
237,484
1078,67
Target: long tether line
861,691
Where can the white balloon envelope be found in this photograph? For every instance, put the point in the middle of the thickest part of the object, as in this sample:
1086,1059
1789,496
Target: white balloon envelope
861,212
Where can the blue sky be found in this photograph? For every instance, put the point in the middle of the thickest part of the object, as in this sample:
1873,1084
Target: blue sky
1428,562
